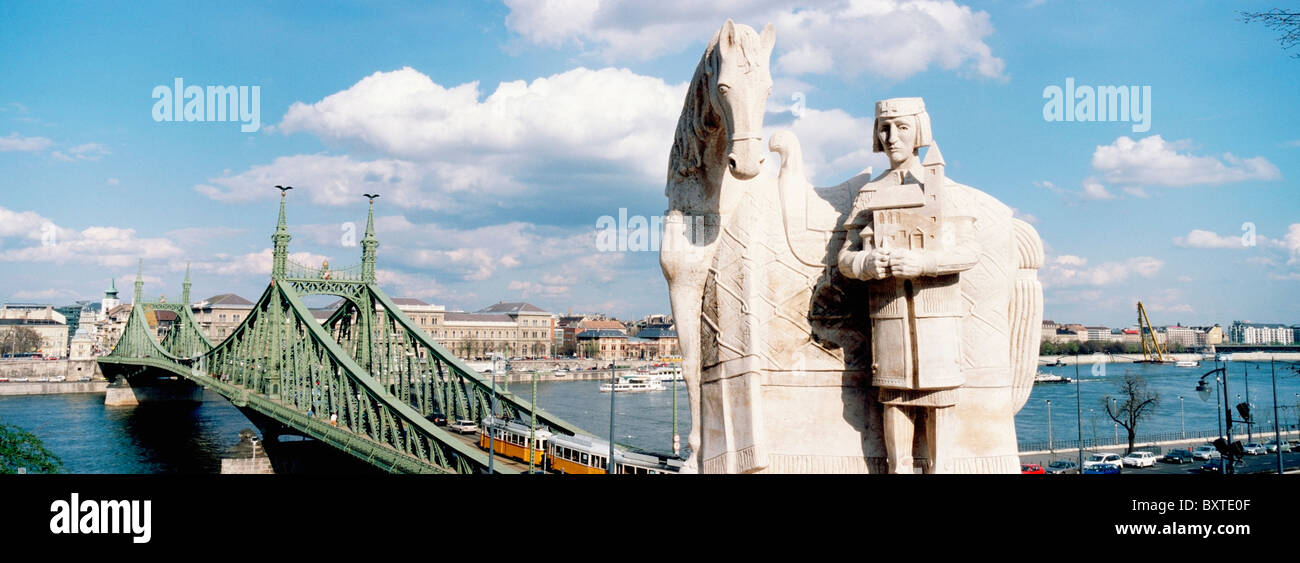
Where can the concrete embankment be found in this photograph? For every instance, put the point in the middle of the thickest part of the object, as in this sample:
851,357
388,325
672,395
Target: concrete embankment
51,387
32,369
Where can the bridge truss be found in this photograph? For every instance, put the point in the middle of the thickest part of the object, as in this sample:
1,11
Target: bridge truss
365,381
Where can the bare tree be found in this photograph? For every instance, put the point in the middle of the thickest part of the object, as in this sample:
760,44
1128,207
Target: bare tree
1135,401
1288,23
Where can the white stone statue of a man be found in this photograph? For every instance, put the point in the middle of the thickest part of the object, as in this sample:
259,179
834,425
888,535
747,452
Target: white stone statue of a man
907,236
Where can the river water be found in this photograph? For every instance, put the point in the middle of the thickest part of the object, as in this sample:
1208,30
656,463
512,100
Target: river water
187,438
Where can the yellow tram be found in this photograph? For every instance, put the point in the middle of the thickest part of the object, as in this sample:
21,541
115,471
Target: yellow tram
560,453
510,440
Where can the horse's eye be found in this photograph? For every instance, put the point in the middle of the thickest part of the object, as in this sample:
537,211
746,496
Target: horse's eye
723,88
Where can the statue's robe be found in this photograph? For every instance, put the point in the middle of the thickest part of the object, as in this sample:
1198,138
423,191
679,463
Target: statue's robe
785,346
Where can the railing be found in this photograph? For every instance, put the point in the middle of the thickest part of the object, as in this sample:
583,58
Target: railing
1109,440
294,270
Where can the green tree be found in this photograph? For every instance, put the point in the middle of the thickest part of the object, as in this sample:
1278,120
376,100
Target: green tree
19,340
20,449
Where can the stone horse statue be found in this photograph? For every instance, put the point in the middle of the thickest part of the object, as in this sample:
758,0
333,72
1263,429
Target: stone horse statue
717,152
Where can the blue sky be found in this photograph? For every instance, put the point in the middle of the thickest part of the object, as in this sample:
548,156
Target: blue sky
498,133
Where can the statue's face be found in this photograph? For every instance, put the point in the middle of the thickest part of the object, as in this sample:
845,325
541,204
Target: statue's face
898,137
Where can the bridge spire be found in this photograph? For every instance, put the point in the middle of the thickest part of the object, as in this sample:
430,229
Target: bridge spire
281,240
369,244
139,284
185,287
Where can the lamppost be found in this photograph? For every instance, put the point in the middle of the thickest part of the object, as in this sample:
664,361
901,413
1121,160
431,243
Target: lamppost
532,426
613,390
1277,431
1050,450
1078,410
496,358
1182,414
1092,416
1203,390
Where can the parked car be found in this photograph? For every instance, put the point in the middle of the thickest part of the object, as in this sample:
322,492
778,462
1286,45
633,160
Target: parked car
1206,451
1031,469
1140,459
1271,445
464,426
1102,469
1062,466
1177,456
1254,448
1103,459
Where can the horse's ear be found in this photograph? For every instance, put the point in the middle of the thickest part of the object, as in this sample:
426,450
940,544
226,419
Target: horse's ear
768,37
728,34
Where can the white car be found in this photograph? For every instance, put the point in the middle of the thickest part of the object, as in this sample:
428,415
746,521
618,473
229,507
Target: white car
1254,448
464,427
1103,459
1140,459
1206,451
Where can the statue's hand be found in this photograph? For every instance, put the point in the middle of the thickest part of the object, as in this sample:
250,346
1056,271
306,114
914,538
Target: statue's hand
905,264
877,264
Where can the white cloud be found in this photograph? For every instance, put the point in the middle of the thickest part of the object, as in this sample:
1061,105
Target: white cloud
1200,238
14,142
529,288
113,181
890,38
608,114
88,151
1137,192
1154,162
1096,191
835,145
46,294
1070,271
438,145
105,246
1291,241
253,264
340,180
1026,217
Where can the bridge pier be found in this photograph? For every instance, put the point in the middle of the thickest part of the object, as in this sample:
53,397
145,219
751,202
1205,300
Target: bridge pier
142,389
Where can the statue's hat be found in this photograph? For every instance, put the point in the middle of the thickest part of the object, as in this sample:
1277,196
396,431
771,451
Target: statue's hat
895,107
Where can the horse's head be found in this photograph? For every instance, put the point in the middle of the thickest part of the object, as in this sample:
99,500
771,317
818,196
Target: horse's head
738,89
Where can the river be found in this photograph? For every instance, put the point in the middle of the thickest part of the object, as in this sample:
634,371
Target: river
187,438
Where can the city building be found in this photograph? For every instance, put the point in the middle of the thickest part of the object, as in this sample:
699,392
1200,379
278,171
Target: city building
1184,336
603,344
49,325
1246,332
220,314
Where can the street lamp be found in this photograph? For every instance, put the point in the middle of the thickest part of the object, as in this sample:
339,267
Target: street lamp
1203,389
491,432
1049,429
1182,413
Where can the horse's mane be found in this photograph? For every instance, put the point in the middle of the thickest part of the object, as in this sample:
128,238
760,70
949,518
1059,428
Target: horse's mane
698,120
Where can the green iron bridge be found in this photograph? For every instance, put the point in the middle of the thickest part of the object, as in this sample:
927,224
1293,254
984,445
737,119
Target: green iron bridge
364,381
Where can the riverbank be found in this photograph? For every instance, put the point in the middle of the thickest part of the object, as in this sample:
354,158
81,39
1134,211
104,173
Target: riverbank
1132,358
11,388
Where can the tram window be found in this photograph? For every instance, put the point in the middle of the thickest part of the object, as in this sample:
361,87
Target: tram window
584,458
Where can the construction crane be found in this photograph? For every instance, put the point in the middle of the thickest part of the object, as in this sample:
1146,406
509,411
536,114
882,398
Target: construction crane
1152,350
